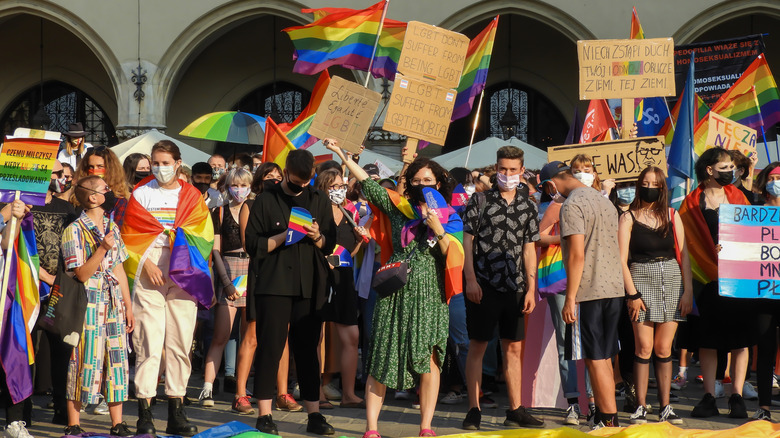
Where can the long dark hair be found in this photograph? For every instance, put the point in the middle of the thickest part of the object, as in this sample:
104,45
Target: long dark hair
130,164
442,177
659,208
260,174
763,178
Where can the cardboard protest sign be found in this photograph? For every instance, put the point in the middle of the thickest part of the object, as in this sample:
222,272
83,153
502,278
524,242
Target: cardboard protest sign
621,160
419,109
749,261
433,53
619,69
345,113
728,134
26,166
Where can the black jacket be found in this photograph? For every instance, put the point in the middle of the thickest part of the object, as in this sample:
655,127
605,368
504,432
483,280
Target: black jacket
297,270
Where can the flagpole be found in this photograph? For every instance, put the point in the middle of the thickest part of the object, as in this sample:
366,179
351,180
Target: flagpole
376,42
671,119
7,267
474,129
761,120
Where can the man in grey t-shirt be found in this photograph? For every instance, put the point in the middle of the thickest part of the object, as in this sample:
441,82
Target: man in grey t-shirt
589,227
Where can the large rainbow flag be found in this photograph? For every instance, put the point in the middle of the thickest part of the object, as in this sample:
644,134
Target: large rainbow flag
276,145
381,232
475,70
20,313
192,239
346,37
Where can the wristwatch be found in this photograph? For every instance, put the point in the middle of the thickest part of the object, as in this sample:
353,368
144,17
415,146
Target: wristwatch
440,236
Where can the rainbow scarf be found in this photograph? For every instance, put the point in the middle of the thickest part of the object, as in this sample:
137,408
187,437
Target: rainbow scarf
381,232
20,313
192,239
475,70
701,248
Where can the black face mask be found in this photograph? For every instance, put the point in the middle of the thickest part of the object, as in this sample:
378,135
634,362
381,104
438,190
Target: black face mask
648,194
140,175
724,178
268,184
58,186
201,186
295,188
416,192
109,203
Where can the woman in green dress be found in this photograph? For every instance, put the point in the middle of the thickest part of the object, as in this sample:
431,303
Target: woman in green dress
410,326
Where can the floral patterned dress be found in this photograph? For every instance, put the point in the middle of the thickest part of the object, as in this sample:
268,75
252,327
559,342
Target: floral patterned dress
413,323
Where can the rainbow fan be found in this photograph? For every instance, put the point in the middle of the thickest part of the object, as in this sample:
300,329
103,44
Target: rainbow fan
345,258
459,199
240,284
299,217
436,202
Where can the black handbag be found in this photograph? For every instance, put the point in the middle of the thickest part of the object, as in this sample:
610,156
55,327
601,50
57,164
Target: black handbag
67,308
391,277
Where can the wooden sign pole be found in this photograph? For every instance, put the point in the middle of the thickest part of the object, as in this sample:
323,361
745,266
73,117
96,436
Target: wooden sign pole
627,118
411,149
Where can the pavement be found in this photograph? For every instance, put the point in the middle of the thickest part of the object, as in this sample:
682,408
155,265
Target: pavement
398,418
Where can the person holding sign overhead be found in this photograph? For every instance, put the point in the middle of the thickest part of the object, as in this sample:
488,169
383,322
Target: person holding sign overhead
411,325
725,323
287,280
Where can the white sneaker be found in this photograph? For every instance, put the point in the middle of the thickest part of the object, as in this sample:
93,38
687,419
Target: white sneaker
572,415
748,392
402,395
452,398
206,399
331,392
100,408
17,429
719,391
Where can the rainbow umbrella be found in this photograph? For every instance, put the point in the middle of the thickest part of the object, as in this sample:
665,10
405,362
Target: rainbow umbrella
228,126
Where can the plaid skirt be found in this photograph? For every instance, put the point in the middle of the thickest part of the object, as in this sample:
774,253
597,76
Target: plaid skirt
661,286
235,266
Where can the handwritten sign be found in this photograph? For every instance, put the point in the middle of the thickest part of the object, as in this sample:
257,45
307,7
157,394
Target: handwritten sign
622,160
749,262
617,69
345,113
433,53
419,109
728,134
26,166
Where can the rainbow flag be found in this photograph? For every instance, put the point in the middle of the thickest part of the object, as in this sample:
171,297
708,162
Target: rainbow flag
346,37
276,145
636,27
299,218
192,239
475,70
20,313
667,130
317,93
345,257
299,135
240,284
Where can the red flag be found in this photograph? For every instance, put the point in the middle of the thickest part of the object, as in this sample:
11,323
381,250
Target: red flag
597,120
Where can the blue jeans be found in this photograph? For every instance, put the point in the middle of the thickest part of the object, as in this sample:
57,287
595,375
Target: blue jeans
567,368
458,331
232,345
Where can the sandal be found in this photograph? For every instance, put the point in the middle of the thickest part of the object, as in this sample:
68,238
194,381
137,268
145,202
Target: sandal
324,404
372,434
427,432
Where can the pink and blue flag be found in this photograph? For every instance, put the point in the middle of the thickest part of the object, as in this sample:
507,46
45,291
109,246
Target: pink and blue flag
459,199
436,202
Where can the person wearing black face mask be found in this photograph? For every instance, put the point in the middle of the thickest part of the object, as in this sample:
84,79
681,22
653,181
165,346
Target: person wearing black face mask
202,179
659,289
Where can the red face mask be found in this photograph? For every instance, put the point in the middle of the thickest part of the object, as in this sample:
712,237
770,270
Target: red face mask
98,172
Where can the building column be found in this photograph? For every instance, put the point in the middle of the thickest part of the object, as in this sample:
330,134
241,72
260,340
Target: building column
139,102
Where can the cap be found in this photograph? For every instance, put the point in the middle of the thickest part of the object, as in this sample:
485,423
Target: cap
550,170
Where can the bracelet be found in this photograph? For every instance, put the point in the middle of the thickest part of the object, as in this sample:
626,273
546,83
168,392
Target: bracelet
317,239
635,296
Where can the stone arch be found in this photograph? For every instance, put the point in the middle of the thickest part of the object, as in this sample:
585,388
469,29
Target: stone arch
722,12
74,24
210,27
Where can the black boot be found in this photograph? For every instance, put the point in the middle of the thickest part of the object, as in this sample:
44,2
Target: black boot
145,423
178,424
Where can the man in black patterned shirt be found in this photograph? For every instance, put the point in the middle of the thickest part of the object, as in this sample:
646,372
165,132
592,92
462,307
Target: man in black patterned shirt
500,227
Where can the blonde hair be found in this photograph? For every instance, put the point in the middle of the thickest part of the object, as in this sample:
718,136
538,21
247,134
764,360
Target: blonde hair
238,175
586,160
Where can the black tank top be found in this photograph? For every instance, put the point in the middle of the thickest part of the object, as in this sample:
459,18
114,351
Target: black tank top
650,244
228,230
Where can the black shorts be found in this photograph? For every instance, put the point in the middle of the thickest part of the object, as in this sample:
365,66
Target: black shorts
341,305
502,308
599,321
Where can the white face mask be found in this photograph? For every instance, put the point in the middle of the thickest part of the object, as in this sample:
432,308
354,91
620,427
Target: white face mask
585,178
508,182
337,196
239,193
164,174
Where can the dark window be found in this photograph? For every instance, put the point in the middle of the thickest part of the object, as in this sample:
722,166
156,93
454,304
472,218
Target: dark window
285,100
63,105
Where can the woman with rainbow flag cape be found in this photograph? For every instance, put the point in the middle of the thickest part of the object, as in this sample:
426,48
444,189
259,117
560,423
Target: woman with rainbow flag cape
169,236
411,326
724,323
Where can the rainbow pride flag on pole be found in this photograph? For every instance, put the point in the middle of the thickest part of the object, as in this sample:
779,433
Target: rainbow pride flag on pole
276,145
345,37
20,313
475,70
192,239
636,27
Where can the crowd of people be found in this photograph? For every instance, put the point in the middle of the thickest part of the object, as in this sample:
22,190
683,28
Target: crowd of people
465,276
